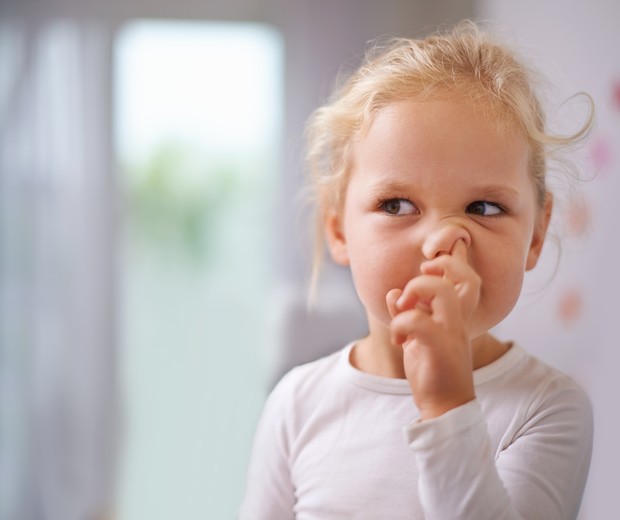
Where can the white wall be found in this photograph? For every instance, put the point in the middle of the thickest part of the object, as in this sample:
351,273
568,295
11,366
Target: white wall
576,46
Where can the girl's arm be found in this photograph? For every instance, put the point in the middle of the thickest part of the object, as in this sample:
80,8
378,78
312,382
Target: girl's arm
540,475
269,491
542,472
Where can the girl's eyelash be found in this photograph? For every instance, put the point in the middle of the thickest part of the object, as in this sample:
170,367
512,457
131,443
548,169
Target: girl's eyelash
500,207
383,202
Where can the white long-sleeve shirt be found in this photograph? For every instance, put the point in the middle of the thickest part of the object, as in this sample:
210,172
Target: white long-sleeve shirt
330,445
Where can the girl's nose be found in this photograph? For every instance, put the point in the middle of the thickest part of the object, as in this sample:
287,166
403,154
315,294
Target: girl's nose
442,239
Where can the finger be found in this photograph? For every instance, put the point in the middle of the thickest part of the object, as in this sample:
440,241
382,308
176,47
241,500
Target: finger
459,250
464,278
433,294
448,267
457,257
419,326
409,325
468,286
409,299
390,299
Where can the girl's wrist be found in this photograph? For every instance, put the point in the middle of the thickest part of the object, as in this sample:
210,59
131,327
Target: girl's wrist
433,410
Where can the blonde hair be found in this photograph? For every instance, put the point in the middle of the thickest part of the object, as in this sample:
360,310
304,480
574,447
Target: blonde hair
465,61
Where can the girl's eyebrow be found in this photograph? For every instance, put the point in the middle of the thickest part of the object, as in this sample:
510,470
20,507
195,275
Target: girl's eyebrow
500,191
389,185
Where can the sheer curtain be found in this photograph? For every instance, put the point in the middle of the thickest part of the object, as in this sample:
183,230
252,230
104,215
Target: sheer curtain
57,232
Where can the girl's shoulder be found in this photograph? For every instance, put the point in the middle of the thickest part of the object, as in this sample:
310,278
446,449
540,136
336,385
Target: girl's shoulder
312,378
302,393
529,383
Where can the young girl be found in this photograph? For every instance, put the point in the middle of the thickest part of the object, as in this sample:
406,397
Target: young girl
429,172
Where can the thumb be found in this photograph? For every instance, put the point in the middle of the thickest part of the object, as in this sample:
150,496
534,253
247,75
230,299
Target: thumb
391,298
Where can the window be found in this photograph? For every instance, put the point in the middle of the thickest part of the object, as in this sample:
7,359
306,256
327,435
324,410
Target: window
198,123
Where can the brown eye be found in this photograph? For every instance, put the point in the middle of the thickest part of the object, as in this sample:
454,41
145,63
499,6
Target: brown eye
484,209
398,207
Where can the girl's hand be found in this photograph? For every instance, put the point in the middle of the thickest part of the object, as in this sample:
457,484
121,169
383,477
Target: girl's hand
430,318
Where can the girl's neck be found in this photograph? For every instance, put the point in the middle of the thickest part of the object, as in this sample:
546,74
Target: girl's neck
375,354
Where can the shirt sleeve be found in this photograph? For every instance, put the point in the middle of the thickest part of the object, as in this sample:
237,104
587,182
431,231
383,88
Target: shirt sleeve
541,474
269,490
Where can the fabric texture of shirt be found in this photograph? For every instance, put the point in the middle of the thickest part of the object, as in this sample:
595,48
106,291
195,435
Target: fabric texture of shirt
334,442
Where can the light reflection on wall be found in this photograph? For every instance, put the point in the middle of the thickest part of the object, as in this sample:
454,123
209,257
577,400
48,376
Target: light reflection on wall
198,117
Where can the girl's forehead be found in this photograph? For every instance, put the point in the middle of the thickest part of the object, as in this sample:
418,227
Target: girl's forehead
445,139
454,122
445,108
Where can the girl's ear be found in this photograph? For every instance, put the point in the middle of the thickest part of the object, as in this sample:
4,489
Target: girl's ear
540,232
335,237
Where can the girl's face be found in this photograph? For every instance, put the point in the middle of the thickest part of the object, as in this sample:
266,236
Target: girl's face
427,174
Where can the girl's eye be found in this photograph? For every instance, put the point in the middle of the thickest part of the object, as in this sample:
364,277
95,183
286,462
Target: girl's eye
398,207
484,209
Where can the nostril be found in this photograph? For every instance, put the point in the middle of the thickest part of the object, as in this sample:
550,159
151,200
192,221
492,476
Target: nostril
442,241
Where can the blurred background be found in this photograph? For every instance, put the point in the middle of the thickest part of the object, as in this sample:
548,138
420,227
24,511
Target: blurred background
154,244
